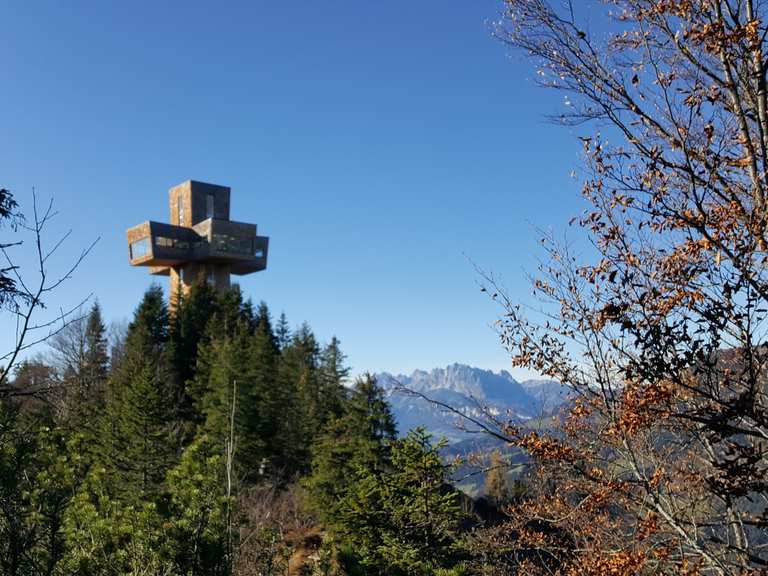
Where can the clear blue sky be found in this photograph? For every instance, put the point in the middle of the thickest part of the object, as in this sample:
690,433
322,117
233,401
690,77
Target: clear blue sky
379,144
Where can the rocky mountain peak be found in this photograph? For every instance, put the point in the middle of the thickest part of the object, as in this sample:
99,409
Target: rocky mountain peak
465,388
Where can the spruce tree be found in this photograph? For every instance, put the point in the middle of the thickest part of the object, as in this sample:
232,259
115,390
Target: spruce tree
96,359
239,397
248,314
152,314
188,329
404,521
369,410
88,396
138,438
230,319
188,326
231,313
298,380
332,374
283,332
17,472
264,444
304,352
358,439
262,323
240,372
226,387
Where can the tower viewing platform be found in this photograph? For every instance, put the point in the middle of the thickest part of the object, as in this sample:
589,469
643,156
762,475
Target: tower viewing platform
200,243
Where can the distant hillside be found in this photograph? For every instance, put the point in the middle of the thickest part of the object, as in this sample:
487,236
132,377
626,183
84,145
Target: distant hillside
474,455
469,390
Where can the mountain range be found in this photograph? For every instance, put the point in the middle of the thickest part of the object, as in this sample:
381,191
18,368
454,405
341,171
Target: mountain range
481,394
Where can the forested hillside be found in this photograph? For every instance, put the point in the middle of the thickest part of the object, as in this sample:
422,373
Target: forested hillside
210,441
207,439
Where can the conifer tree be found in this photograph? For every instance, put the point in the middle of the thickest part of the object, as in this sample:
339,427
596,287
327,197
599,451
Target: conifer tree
332,375
283,332
83,366
298,380
139,443
244,368
39,471
226,387
152,314
96,358
61,464
248,314
16,458
231,313
358,438
113,524
262,323
188,329
264,440
404,521
9,215
200,510
372,416
90,391
107,536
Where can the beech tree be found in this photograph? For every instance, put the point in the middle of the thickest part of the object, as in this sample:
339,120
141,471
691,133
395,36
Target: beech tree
498,488
660,330
80,354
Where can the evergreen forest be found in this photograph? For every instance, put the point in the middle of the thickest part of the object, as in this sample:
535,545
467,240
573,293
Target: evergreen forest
213,440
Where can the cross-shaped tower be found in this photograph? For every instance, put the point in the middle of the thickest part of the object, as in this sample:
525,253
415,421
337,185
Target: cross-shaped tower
200,243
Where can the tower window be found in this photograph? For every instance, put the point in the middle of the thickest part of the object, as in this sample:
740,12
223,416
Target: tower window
139,248
181,210
209,206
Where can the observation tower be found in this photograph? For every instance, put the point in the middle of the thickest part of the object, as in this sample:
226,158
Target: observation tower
200,243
